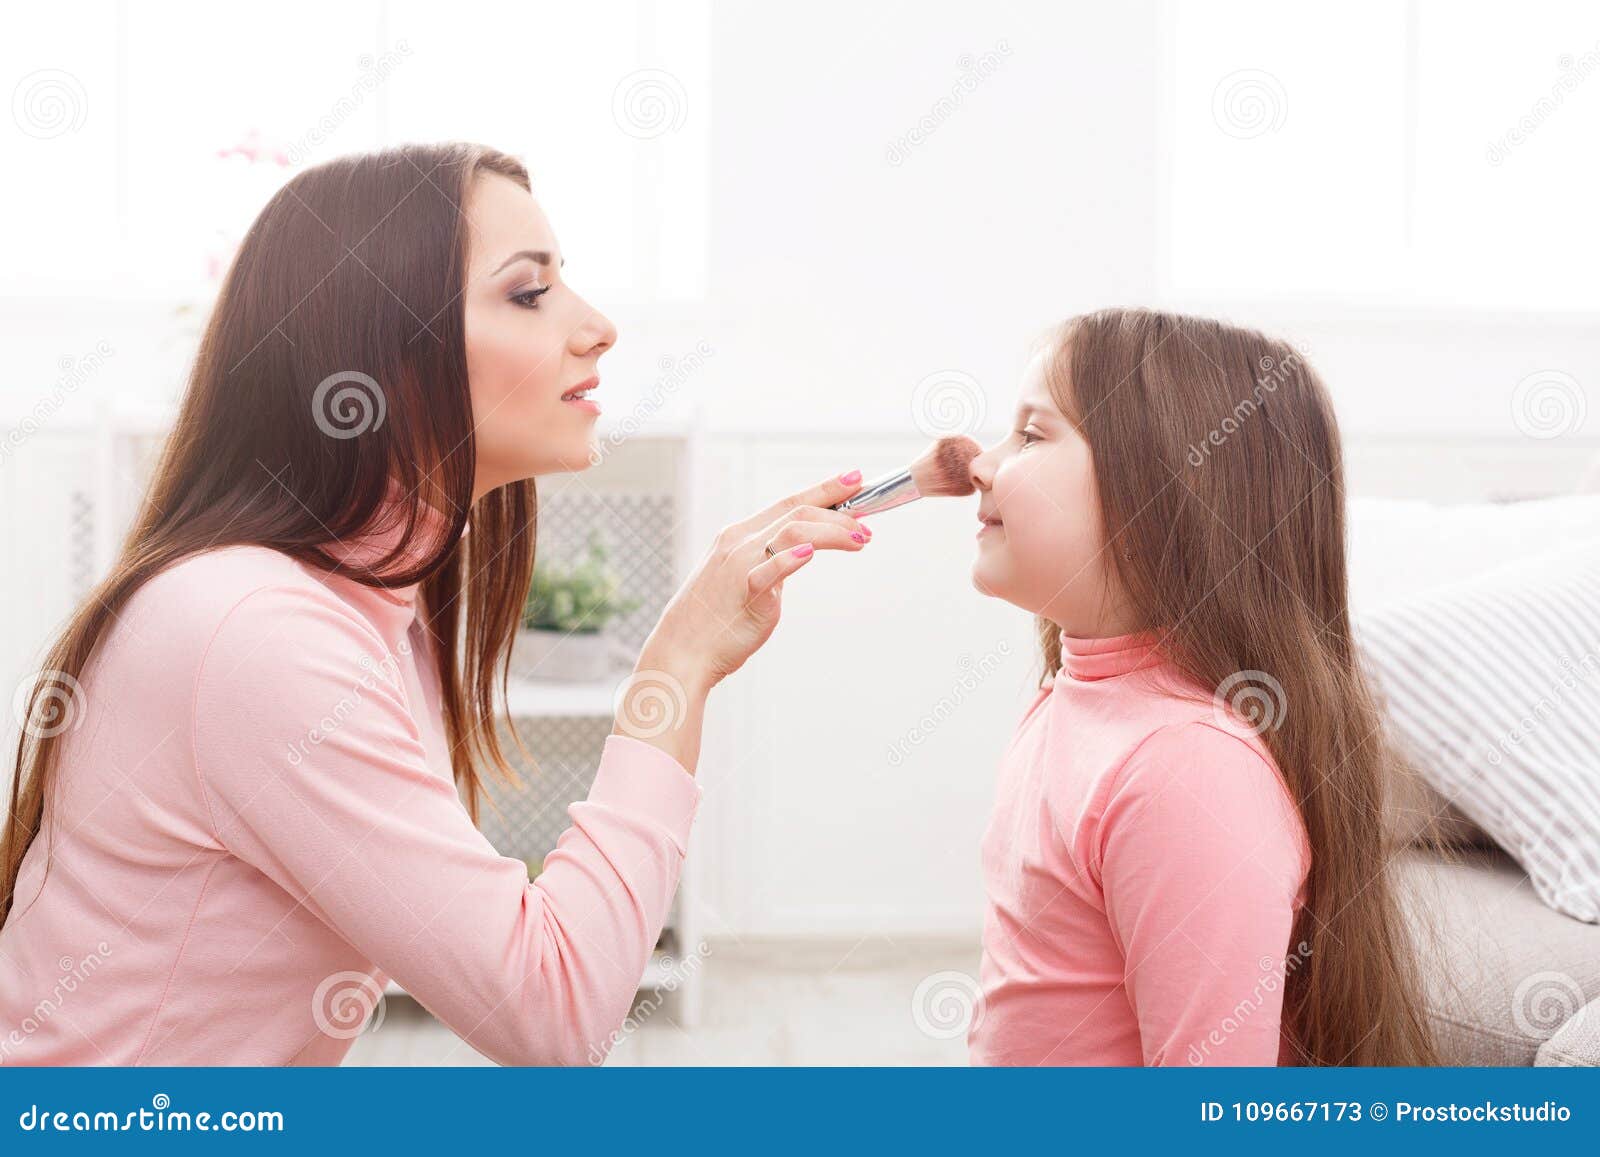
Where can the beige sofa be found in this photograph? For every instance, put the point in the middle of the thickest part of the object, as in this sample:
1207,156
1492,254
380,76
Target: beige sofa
1510,981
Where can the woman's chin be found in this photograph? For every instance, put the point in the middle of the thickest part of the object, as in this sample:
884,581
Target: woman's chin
572,458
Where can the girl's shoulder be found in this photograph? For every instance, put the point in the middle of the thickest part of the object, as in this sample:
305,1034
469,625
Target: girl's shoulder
1149,758
1041,695
1205,772
1198,747
1143,715
1165,714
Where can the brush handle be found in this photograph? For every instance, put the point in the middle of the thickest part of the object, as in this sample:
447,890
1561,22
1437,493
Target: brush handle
885,494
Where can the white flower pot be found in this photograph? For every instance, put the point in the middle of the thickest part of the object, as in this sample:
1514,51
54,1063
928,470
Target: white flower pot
562,656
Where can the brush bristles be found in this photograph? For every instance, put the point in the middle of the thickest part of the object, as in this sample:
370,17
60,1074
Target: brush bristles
945,471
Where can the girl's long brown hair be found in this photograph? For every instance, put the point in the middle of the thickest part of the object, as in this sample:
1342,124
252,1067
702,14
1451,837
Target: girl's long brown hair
333,367
1218,463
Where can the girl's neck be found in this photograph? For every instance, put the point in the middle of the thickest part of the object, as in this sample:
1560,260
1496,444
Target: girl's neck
1109,655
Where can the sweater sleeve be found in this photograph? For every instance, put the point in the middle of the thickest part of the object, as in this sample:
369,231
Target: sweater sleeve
315,773
1202,859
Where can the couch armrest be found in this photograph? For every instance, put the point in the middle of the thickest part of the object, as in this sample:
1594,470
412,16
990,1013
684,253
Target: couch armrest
1576,1043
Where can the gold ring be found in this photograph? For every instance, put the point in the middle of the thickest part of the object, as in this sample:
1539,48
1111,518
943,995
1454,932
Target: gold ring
770,551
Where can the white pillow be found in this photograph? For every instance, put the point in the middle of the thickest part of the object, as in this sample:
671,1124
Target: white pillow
1491,687
1399,547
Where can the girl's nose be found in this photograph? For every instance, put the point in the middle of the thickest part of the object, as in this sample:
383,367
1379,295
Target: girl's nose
982,469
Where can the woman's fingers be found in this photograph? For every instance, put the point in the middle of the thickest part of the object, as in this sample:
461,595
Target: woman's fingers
730,605
767,575
822,495
838,518
788,533
793,543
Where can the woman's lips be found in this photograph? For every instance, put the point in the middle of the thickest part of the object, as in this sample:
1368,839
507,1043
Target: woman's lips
988,525
576,396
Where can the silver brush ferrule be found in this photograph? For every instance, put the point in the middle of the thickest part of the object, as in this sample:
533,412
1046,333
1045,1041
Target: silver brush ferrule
885,494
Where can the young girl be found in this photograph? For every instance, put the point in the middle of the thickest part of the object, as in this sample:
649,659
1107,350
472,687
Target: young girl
1183,866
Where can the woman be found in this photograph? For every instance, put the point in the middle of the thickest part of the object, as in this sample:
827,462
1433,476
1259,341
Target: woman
238,799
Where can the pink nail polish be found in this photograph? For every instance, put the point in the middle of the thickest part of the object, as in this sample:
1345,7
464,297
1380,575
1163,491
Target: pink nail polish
851,478
803,550
858,536
866,530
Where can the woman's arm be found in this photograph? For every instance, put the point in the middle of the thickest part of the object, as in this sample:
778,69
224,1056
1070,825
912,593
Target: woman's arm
314,772
1202,855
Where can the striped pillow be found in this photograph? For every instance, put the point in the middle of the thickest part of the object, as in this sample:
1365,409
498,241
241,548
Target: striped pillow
1491,687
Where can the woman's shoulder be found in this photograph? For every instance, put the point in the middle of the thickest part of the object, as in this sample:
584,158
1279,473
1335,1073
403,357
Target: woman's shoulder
209,617
182,609
210,583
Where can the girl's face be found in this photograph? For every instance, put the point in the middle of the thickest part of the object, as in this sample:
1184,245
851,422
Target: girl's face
531,341
1042,545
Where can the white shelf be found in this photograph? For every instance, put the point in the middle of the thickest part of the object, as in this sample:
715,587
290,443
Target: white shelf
656,975
532,698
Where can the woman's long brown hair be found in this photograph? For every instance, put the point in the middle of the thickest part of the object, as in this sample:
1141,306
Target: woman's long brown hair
1220,479
332,368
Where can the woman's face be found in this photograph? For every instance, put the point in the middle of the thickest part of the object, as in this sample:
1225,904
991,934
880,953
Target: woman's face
531,341
1042,545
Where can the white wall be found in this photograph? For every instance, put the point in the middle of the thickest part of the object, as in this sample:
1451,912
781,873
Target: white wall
839,281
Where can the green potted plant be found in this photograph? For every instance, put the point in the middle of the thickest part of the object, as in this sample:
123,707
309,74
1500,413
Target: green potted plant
563,619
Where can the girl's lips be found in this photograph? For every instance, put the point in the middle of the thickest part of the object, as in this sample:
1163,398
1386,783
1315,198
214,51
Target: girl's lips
988,526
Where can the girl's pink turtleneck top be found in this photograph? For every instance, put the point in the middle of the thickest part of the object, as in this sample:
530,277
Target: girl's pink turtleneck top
1143,865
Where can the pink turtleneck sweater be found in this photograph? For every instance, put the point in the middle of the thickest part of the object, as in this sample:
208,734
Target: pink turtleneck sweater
254,827
1143,865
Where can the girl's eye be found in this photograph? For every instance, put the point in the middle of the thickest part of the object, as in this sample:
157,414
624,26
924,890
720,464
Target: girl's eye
529,298
1028,437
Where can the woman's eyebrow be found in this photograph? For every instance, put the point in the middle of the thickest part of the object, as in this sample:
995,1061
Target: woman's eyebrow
541,256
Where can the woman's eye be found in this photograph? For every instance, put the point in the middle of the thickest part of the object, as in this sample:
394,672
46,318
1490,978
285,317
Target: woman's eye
1028,437
529,298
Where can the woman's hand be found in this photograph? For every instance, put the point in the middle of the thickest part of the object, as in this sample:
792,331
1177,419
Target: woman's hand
728,608
730,605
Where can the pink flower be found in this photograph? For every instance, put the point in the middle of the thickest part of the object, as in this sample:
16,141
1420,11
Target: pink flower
253,147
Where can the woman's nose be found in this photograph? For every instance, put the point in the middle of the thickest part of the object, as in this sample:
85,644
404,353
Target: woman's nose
596,335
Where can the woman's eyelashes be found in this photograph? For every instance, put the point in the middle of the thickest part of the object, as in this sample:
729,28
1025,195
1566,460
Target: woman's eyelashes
529,298
1027,437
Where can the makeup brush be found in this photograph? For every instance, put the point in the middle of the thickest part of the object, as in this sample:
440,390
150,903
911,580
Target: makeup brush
945,471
